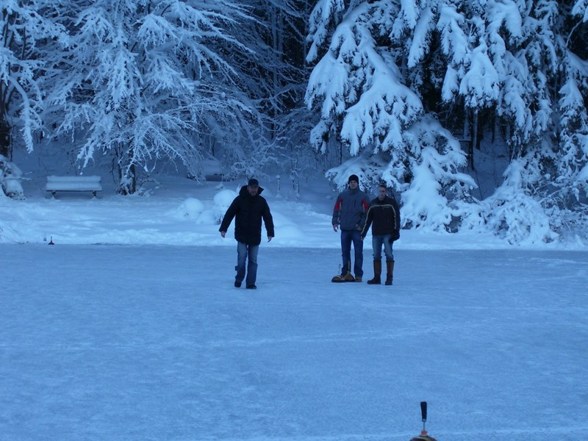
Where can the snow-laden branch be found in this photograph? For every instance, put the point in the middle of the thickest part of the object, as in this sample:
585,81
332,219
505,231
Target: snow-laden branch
581,8
358,81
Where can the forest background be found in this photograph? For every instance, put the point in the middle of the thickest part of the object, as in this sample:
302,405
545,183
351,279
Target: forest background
473,111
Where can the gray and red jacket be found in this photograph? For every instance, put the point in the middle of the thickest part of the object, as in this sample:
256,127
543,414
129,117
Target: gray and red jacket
350,210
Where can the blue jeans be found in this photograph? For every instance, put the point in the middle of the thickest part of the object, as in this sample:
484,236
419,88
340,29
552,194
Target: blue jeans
246,253
377,242
347,238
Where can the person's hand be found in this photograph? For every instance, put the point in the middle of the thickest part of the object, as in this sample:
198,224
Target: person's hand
362,237
269,238
335,227
223,233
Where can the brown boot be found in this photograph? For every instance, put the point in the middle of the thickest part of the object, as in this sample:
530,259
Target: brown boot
377,273
389,272
343,278
349,278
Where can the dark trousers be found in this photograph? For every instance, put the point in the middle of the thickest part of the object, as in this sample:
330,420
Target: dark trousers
382,241
347,238
246,254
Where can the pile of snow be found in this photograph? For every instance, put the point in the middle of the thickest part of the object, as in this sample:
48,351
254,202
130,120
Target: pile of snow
10,177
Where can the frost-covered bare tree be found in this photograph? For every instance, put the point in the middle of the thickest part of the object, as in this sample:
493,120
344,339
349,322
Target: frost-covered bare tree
278,35
149,81
28,40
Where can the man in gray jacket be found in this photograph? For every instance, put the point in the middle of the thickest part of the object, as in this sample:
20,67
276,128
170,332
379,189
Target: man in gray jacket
349,215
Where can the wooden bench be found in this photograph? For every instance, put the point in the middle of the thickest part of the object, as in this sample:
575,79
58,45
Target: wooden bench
73,184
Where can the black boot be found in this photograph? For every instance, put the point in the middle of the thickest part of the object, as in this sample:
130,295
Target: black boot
377,273
389,272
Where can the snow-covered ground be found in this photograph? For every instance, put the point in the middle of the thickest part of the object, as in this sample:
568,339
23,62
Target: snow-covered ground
129,328
175,211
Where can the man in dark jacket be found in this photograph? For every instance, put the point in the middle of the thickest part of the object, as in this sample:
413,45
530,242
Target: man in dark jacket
384,218
249,208
349,215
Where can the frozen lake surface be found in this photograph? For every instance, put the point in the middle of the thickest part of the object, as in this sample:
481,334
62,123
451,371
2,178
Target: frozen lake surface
109,343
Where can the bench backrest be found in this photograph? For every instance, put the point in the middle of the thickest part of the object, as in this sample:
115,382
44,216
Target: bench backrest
74,179
73,183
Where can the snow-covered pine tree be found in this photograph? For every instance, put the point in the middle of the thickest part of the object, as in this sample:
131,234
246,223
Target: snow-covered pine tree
489,83
367,98
530,57
148,81
494,73
574,102
570,201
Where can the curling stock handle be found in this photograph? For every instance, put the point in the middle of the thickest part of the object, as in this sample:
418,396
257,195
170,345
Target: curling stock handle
424,410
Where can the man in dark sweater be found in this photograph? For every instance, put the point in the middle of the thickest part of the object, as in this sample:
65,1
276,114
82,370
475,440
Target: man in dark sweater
249,208
384,218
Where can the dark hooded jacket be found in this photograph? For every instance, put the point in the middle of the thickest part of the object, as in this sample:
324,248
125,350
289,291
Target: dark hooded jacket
384,218
248,212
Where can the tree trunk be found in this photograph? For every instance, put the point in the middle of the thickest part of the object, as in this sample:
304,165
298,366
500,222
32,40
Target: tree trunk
5,145
128,181
474,141
127,173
